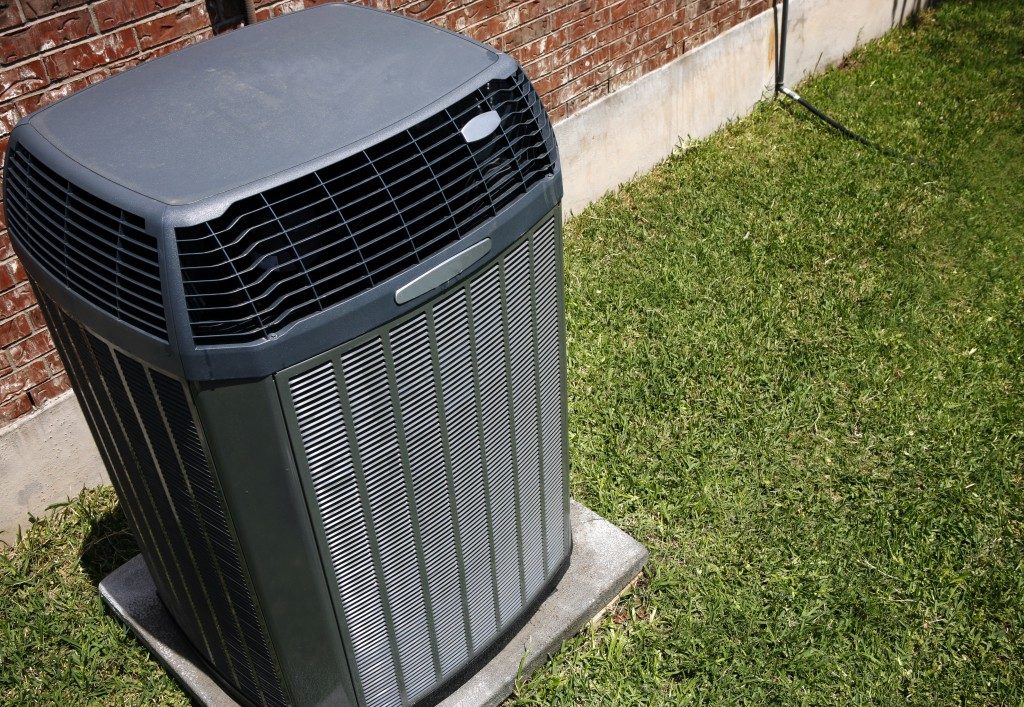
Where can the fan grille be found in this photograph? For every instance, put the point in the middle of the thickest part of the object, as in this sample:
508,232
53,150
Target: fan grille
100,252
281,255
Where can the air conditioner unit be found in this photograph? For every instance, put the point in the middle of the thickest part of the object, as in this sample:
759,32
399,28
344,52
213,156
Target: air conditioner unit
306,279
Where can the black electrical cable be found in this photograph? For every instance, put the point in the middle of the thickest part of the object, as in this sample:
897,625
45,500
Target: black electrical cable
783,89
794,96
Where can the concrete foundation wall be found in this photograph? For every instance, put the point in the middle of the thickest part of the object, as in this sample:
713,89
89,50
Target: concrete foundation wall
45,457
49,455
631,130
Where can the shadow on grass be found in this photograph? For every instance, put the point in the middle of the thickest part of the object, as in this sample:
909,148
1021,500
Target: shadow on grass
108,545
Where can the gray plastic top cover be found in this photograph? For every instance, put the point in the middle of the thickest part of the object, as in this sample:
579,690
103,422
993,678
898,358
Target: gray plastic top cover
253,200
222,114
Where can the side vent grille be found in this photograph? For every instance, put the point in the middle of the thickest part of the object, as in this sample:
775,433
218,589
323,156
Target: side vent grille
98,251
435,452
281,255
148,438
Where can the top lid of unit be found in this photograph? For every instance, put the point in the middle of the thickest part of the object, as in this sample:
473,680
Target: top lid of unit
257,101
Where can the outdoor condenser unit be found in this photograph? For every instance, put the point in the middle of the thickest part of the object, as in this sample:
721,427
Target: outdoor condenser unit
306,279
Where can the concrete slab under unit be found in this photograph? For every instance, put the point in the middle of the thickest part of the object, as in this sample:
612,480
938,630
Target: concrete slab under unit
604,561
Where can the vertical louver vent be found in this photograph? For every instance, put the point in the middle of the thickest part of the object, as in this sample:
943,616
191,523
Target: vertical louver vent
276,257
100,252
435,452
146,433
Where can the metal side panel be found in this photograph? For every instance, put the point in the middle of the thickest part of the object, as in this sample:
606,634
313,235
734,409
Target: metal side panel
143,422
248,442
433,456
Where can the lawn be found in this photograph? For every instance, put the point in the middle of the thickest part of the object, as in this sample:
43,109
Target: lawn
796,374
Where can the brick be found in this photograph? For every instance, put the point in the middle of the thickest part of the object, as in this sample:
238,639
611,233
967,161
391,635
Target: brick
50,389
543,46
9,117
177,44
589,46
114,13
469,14
661,9
17,80
570,90
9,15
626,8
11,273
679,36
526,33
41,8
569,13
175,25
14,408
45,35
424,9
53,363
278,8
522,13
36,101
546,84
486,30
6,249
15,329
21,379
584,99
30,348
17,270
558,113
7,275
16,300
83,57
724,10
623,29
35,315
656,38
120,66
700,24
286,7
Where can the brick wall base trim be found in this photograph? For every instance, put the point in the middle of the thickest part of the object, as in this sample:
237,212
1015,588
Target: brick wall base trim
49,455
628,132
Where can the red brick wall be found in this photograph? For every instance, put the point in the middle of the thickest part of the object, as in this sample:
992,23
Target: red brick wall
574,50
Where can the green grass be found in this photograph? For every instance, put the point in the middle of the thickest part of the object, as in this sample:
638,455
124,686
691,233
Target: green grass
796,374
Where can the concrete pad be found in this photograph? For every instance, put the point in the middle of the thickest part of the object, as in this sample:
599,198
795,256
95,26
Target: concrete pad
130,594
604,561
